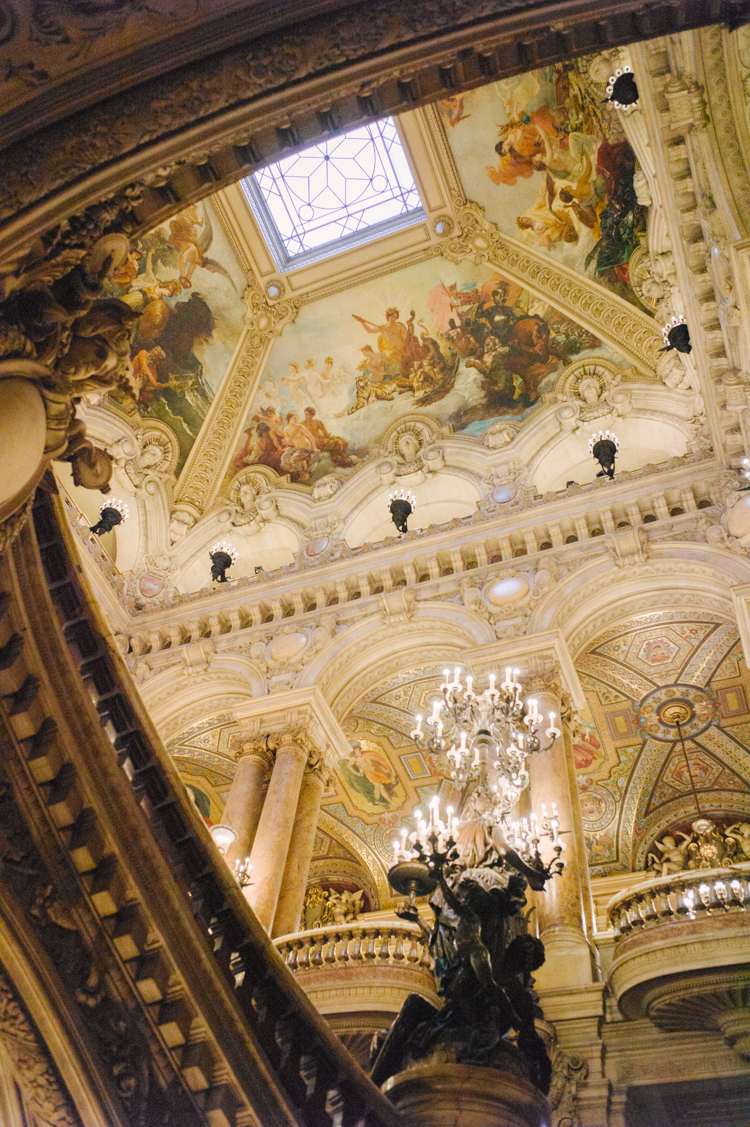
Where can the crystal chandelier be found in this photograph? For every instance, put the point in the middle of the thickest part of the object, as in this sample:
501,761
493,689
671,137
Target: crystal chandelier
488,738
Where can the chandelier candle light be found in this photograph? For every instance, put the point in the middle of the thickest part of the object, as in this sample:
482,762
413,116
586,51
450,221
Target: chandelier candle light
676,335
603,446
112,513
487,737
223,556
401,505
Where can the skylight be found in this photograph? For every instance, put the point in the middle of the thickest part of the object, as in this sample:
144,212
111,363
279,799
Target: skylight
335,195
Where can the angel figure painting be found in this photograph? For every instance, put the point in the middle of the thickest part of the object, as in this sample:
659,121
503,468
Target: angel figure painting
186,286
545,154
370,779
460,344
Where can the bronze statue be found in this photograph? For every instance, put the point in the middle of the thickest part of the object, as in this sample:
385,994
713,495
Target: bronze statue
483,964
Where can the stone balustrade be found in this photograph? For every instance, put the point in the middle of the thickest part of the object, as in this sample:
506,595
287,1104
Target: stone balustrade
358,975
680,955
680,896
392,943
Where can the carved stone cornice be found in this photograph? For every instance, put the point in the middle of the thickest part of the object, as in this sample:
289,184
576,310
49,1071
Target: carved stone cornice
719,51
626,329
190,130
299,717
209,456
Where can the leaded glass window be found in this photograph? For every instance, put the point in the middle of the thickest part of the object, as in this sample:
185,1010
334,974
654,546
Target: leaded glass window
335,195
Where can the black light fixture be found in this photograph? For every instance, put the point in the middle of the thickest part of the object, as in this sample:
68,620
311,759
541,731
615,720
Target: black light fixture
604,446
401,505
676,336
111,514
222,556
622,90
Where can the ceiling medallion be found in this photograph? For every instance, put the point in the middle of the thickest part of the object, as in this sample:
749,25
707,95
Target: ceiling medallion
678,710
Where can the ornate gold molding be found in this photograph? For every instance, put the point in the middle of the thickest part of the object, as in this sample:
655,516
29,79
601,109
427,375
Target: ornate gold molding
720,55
619,324
210,455
32,1069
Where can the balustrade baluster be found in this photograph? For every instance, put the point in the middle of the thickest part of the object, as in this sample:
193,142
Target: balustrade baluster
303,958
666,908
346,936
316,952
291,954
413,952
368,947
329,954
738,892
650,914
355,954
398,954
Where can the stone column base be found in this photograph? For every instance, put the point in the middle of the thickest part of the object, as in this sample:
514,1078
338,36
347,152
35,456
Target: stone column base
448,1095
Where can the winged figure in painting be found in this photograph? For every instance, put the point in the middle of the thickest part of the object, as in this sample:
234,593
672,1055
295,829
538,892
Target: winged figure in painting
191,234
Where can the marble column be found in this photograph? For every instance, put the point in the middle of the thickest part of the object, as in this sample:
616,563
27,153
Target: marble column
560,908
297,869
274,832
245,801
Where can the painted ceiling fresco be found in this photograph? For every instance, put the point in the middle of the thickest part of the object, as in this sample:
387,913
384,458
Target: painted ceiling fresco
633,776
385,777
457,343
185,283
546,157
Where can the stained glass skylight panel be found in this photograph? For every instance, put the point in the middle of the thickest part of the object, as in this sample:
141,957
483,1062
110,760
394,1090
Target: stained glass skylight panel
336,194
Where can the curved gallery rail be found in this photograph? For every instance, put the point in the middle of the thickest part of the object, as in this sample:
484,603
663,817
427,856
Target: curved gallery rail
189,946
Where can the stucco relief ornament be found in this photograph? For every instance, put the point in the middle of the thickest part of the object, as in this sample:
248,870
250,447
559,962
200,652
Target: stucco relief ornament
506,488
326,486
60,334
592,385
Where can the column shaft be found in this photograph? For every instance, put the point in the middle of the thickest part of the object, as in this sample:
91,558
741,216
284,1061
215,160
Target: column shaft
297,870
244,804
275,830
560,906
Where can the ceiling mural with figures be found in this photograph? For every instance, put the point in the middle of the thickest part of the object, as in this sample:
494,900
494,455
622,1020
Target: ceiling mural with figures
634,779
186,286
459,344
545,155
385,777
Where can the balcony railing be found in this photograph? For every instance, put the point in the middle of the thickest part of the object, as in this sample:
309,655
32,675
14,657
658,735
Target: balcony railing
272,1051
686,895
396,943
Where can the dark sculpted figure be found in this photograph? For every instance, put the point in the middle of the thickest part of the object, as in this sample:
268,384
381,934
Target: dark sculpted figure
108,519
220,563
483,964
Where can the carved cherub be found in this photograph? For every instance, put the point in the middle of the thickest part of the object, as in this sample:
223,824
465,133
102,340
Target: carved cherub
342,907
672,858
739,833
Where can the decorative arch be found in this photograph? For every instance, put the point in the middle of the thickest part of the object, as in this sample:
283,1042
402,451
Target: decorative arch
404,632
176,697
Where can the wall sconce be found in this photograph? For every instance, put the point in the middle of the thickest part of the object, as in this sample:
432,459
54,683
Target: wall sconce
621,89
223,836
401,505
223,556
241,872
111,514
603,446
676,336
